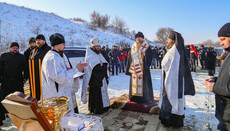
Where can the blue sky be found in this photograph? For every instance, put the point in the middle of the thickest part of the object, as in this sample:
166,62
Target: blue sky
196,20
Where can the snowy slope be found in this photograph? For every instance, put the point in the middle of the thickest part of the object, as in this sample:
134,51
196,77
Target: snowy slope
19,23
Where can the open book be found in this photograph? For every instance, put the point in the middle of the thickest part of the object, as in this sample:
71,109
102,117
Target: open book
78,74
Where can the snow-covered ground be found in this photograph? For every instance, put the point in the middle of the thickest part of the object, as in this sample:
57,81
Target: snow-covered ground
197,114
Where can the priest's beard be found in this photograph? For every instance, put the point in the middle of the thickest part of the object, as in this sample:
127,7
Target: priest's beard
61,52
169,45
139,42
96,51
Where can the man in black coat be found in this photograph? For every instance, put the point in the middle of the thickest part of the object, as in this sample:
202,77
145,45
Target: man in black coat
13,74
155,55
202,57
211,61
105,53
37,53
32,43
114,54
220,86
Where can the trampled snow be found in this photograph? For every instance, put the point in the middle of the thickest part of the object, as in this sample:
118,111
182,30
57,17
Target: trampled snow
197,113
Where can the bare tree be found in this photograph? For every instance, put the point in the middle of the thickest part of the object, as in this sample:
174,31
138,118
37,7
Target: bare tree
210,43
104,21
162,34
95,19
119,25
23,46
98,20
217,44
133,32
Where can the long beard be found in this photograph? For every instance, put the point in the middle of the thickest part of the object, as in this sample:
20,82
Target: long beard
96,51
61,52
140,42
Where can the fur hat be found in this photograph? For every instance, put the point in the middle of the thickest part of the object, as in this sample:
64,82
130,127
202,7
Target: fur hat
56,39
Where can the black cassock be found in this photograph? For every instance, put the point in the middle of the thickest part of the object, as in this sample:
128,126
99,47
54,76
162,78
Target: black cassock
36,54
95,84
147,82
13,71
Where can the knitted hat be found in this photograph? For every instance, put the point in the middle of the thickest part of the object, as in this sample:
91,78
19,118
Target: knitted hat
56,39
41,37
14,44
224,30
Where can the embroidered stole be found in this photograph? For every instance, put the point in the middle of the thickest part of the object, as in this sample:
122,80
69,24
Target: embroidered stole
136,68
73,96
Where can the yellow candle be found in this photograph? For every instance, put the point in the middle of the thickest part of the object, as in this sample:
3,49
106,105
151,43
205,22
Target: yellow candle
34,87
31,79
40,80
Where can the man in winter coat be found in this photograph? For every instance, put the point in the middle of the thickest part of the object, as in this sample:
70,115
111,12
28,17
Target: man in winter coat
37,53
13,74
220,86
114,55
155,55
202,57
211,61
32,44
193,57
122,59
105,53
160,56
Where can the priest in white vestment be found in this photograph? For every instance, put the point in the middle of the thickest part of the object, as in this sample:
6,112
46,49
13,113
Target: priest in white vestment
175,83
95,80
138,68
57,74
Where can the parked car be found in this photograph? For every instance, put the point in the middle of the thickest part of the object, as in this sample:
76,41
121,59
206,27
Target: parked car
75,54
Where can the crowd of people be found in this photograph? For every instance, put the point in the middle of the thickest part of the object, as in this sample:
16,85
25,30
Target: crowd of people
202,57
52,66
